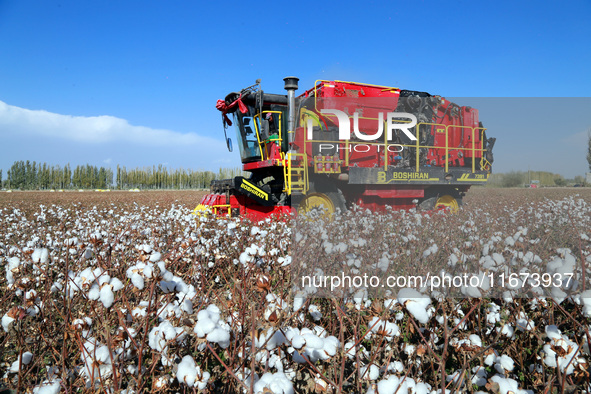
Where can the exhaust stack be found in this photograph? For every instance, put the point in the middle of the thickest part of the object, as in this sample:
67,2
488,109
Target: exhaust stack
291,85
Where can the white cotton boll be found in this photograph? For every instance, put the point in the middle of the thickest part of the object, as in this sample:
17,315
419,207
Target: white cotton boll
479,375
341,247
187,306
168,277
245,258
507,385
313,341
508,331
504,363
553,332
409,349
395,384
204,326
87,254
48,387
6,322
26,359
558,295
384,327
416,304
453,259
220,336
298,341
138,312
470,291
107,296
102,354
137,280
148,271
202,379
298,302
13,263
498,258
491,358
35,256
568,351
31,294
331,345
155,257
116,283
277,383
100,276
315,312
44,256
475,340
370,372
187,371
56,287
396,366
94,292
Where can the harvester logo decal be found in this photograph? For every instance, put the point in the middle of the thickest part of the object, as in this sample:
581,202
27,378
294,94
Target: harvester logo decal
252,191
393,176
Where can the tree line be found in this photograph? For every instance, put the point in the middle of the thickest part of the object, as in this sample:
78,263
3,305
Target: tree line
541,178
27,175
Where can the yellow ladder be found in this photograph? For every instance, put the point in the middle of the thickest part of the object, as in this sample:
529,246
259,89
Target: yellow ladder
295,173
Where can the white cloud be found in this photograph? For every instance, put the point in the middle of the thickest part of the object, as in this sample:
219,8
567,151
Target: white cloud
93,129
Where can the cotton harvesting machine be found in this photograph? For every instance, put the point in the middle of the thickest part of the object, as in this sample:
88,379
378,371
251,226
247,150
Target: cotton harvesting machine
343,143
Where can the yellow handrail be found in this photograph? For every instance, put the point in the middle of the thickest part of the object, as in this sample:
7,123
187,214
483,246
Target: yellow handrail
438,128
257,121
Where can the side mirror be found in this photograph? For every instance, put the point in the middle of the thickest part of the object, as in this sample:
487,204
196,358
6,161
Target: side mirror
229,144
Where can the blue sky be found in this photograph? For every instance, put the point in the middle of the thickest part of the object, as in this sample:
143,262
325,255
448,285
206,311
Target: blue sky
135,82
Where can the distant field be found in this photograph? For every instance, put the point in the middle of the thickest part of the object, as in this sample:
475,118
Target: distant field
165,197
31,199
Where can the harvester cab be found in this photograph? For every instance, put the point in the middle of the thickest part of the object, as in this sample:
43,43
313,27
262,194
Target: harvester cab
322,149
262,124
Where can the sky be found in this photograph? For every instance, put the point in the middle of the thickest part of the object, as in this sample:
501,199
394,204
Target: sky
135,82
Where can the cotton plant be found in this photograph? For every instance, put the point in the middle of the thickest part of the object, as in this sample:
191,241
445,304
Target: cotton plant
416,303
561,352
313,345
210,326
161,336
189,373
276,382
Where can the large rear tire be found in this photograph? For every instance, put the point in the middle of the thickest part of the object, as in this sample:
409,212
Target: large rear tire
442,199
322,195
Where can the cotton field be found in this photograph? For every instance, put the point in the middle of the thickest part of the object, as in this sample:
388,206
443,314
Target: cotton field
132,293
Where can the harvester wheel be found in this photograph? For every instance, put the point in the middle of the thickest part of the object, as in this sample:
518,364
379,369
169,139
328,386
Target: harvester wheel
447,200
328,197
